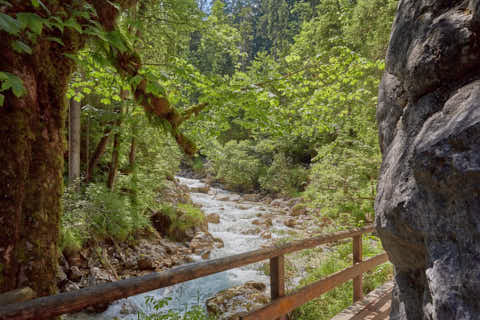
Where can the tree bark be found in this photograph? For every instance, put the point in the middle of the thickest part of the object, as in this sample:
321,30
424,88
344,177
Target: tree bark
99,151
74,141
31,149
132,155
112,173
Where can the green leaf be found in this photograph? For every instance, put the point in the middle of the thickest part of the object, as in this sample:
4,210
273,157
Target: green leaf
31,20
2,100
9,24
57,40
6,3
35,3
116,39
21,47
11,81
71,56
73,24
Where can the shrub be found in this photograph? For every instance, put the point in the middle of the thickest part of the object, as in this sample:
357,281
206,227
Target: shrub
236,166
283,177
100,214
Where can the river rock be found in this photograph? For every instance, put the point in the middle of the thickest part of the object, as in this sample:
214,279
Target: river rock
298,210
75,274
428,200
202,242
227,304
219,242
266,235
290,223
213,218
251,231
145,263
251,197
279,203
200,189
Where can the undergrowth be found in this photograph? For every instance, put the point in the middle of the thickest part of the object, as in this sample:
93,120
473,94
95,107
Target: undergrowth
334,301
156,311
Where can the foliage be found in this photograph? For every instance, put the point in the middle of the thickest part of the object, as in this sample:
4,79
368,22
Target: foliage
155,312
282,177
99,214
235,165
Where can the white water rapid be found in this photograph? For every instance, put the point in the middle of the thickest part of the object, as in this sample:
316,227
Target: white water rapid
236,216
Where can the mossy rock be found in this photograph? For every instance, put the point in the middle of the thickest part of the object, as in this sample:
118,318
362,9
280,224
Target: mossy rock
179,223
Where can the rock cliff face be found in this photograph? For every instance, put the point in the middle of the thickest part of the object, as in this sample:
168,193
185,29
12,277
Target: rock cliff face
428,202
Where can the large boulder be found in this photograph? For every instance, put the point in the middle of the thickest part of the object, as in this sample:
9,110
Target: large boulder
229,303
428,201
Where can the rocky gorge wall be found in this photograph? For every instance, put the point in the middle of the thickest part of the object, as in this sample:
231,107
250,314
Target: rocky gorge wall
428,201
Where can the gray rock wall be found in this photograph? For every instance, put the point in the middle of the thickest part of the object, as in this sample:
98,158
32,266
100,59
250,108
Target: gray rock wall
428,201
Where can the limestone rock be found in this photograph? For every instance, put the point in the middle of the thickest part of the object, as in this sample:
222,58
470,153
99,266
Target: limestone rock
227,304
75,274
145,263
298,210
428,200
201,189
290,223
251,197
213,218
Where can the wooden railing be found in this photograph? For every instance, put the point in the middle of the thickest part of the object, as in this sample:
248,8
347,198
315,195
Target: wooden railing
69,302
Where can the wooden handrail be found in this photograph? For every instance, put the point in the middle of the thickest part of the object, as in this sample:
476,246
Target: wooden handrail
284,305
68,302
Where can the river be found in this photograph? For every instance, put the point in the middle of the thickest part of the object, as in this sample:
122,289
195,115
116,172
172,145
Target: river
236,217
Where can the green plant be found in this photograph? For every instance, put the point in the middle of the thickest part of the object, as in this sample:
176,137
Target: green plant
155,312
236,166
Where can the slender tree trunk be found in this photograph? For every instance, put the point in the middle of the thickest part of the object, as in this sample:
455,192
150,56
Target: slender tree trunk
99,151
112,174
132,155
86,151
31,149
74,141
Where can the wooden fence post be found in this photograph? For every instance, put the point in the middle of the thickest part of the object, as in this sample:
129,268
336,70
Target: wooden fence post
277,279
357,257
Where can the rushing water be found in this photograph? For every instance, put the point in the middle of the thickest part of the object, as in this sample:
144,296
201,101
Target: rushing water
236,217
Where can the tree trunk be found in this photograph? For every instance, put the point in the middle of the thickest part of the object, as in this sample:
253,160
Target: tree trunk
132,155
74,141
112,174
31,149
99,151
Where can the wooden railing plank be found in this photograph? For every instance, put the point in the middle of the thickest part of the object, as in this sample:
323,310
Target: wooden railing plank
68,302
357,258
277,277
294,300
277,280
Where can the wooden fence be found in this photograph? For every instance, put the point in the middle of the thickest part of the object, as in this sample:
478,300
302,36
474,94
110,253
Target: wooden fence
281,304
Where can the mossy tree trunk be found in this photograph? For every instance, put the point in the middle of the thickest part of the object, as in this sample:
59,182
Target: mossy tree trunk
31,149
32,139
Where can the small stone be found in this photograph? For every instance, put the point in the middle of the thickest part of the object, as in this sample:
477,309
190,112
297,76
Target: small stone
213,218
145,263
290,223
298,210
75,274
